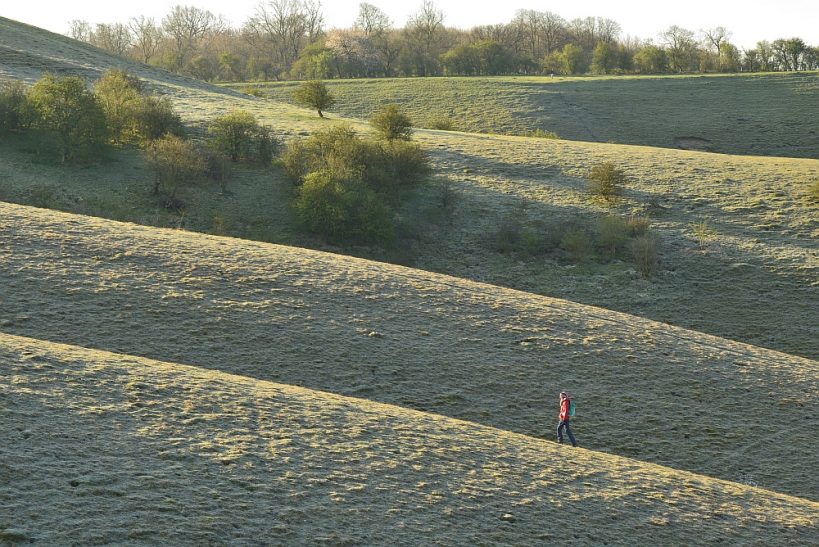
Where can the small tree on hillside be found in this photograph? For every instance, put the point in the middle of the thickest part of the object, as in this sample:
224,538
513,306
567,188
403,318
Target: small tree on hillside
392,124
314,94
119,96
606,180
233,133
176,162
69,117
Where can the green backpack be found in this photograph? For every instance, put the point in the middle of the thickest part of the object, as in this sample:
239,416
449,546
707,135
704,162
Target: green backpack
571,409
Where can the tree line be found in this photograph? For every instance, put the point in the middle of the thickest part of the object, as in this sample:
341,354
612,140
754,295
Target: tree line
287,39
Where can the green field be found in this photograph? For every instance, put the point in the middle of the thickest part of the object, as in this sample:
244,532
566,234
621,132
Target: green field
759,114
211,375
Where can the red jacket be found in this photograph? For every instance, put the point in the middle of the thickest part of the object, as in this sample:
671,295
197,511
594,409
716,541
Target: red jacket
564,410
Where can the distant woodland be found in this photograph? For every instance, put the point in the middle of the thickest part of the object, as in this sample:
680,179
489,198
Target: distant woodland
287,39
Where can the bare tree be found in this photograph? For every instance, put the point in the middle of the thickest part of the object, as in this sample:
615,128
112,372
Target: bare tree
715,40
313,20
281,28
714,37
79,29
529,23
115,38
353,51
147,36
607,30
187,25
680,47
424,30
372,20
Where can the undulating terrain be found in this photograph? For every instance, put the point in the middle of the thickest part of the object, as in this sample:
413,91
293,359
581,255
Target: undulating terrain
107,448
163,383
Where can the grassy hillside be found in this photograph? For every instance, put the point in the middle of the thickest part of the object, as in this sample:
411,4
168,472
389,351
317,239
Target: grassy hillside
419,340
108,448
752,279
768,114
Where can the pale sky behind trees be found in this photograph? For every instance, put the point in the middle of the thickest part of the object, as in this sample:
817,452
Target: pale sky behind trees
749,21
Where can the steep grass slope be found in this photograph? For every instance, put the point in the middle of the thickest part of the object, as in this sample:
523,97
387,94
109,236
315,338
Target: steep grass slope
26,52
434,343
770,114
98,447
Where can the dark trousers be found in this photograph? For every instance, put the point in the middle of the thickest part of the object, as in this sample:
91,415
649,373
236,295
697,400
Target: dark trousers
560,426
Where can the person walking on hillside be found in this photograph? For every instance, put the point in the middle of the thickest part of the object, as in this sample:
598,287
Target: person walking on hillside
565,405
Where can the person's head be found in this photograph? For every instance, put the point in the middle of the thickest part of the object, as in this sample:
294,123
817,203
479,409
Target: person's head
563,395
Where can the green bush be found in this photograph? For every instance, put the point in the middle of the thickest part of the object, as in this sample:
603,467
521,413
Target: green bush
295,159
644,251
577,243
233,134
265,145
155,118
392,124
13,107
383,166
612,233
343,210
120,97
175,162
314,94
348,184
606,180
406,161
441,123
70,121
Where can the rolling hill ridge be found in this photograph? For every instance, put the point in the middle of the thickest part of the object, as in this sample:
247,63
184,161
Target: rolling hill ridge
435,343
113,448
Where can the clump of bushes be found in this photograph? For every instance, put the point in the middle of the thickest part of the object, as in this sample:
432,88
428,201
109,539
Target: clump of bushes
578,240
343,208
347,186
392,124
606,181
238,135
134,117
68,119
71,123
